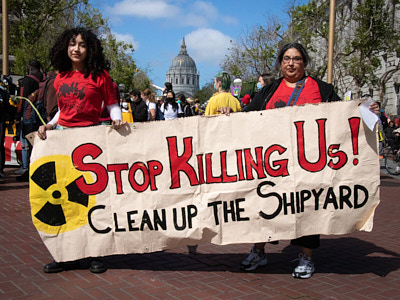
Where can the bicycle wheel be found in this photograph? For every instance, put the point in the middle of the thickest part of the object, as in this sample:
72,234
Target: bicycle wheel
391,163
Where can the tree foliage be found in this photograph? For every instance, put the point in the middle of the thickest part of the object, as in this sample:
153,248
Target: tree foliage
140,80
34,26
254,53
366,33
205,92
308,24
375,35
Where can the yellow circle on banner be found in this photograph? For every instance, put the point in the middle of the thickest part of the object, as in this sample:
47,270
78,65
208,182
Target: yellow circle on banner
57,204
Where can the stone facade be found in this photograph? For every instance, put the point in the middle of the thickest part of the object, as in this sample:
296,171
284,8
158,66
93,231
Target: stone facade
183,74
389,62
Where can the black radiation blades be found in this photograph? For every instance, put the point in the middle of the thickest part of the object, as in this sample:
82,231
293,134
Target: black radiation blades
75,194
45,175
51,214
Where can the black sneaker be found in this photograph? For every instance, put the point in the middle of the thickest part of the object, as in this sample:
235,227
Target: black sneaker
97,266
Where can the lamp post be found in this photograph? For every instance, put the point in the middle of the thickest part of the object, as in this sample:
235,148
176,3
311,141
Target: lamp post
331,39
5,37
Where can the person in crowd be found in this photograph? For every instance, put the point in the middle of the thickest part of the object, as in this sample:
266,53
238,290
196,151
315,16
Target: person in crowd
292,60
383,117
263,80
185,106
222,98
148,98
167,88
78,56
139,107
126,108
6,114
26,116
390,135
170,108
245,100
196,107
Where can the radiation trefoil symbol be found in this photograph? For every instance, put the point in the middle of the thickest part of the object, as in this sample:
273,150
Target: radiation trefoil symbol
57,204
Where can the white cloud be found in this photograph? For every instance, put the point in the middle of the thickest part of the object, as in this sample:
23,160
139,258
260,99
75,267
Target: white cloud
207,45
127,38
145,8
196,14
199,14
205,8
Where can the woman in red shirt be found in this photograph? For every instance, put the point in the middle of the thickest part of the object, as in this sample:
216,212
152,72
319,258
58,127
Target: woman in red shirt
81,87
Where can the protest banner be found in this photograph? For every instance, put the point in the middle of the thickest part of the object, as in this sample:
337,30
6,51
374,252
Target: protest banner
244,178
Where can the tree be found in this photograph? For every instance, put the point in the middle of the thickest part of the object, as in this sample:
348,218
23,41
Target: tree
366,38
119,54
374,37
205,92
140,80
35,27
309,23
254,53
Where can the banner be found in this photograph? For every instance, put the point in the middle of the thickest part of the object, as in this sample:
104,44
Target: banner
244,178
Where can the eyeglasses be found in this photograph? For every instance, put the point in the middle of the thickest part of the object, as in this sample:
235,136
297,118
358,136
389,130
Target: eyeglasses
296,59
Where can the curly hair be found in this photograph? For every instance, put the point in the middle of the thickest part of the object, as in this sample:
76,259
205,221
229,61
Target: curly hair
95,61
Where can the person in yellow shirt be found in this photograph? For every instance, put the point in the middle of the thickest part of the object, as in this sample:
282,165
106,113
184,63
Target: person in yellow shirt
222,98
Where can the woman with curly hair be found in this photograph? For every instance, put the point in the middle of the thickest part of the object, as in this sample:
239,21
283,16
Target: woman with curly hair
82,83
81,87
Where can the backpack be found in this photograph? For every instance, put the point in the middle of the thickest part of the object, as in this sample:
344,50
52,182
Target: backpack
38,97
159,114
188,111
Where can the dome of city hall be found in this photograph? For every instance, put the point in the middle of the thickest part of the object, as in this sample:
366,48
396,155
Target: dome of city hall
183,74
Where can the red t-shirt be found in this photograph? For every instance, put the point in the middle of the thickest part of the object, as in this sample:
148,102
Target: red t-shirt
309,94
80,99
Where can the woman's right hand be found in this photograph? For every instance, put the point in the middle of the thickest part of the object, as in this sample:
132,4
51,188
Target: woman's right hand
225,110
42,130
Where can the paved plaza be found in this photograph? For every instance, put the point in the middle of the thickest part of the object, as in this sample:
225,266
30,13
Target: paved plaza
361,265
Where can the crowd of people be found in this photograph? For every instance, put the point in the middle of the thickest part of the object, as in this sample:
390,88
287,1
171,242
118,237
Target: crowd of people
83,94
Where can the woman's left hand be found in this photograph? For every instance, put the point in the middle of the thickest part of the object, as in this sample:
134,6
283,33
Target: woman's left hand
116,124
374,107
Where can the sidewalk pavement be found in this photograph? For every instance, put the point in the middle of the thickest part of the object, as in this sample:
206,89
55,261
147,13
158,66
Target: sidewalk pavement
361,265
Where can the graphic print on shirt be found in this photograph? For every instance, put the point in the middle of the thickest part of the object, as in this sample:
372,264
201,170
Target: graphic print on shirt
279,103
73,95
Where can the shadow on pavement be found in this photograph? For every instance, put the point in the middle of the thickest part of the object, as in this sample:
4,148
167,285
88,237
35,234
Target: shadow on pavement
345,255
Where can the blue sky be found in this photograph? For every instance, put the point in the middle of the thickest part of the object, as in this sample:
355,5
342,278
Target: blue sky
156,29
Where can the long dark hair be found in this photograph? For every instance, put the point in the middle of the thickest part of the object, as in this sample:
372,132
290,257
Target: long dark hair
95,61
171,102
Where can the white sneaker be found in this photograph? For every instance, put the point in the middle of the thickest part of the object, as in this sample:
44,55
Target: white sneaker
254,260
305,269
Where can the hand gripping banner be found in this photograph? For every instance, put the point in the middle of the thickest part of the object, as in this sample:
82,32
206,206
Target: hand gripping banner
244,178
